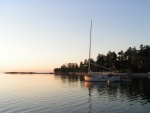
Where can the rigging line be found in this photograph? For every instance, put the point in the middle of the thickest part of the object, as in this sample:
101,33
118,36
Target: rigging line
102,66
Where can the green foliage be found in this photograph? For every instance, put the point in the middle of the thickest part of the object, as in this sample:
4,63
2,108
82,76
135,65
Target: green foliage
131,60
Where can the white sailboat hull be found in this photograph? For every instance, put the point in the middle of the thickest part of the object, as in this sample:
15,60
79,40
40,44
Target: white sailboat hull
95,79
101,79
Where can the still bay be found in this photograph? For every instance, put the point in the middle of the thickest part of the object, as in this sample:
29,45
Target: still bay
49,93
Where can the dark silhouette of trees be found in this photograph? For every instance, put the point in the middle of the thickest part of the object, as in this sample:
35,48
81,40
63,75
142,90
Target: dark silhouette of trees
131,60
101,60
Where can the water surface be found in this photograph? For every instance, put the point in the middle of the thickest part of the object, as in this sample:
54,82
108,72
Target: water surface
44,93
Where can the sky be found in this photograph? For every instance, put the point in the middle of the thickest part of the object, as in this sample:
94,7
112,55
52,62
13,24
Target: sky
40,35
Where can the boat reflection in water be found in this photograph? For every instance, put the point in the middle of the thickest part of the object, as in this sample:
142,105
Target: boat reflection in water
102,86
96,84
101,93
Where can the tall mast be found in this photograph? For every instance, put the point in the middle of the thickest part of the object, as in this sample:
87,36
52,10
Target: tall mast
90,49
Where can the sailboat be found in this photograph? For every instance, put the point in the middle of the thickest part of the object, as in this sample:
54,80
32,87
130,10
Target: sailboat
109,77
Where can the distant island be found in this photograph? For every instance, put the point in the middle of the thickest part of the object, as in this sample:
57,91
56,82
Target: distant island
29,72
131,60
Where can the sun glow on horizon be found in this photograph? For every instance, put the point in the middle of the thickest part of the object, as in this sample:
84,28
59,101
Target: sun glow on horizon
42,35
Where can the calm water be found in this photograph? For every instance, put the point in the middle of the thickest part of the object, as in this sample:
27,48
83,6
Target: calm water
70,94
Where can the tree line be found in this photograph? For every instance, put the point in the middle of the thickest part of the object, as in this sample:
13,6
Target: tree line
124,61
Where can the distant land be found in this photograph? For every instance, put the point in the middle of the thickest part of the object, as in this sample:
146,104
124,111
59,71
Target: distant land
132,60
29,72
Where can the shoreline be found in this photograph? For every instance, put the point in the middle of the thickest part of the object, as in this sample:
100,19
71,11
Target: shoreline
133,75
29,73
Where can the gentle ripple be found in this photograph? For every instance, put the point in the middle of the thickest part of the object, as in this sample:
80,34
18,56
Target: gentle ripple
70,94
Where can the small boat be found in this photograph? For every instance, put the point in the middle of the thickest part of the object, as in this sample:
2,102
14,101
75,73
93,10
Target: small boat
127,78
99,77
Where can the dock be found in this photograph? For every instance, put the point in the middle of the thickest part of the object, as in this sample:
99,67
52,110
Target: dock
135,75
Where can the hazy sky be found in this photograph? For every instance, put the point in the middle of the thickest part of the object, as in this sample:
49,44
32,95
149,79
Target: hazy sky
40,35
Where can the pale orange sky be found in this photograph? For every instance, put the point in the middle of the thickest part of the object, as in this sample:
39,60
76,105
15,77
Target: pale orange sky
37,35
